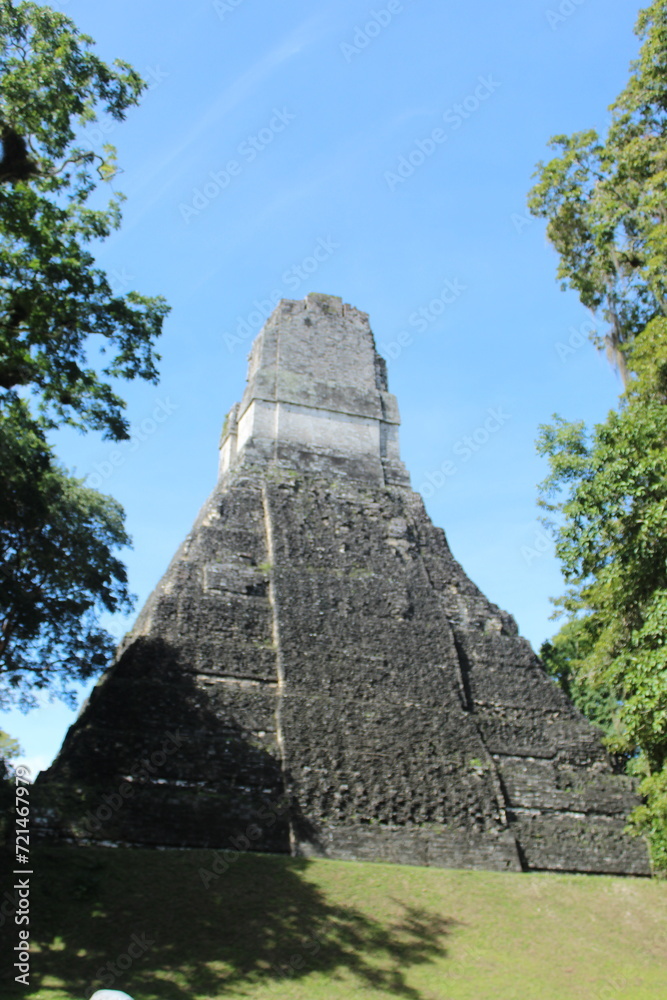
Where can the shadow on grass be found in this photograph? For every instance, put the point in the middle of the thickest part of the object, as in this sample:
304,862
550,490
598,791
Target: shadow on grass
178,924
143,921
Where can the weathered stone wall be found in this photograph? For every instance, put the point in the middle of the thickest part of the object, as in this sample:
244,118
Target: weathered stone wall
335,683
200,666
453,735
317,396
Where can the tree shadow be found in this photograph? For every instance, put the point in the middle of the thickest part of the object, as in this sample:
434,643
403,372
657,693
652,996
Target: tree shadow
165,925
163,755
232,912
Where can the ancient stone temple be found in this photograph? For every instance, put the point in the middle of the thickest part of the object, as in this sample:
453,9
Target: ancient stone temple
315,673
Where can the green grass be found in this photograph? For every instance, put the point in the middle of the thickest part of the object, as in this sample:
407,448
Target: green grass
294,929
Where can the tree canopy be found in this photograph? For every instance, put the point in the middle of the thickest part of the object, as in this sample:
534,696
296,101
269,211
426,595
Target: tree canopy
605,199
606,493
57,308
57,539
66,340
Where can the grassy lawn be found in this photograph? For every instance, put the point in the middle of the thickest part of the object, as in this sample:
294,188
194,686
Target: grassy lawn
278,927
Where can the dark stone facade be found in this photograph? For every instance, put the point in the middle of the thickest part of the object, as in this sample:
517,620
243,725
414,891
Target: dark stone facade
315,673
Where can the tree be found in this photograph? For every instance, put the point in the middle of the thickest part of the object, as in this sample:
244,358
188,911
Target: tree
9,749
609,493
605,202
56,306
606,493
58,569
65,341
564,657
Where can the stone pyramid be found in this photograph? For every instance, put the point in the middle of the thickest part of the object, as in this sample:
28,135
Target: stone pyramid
316,674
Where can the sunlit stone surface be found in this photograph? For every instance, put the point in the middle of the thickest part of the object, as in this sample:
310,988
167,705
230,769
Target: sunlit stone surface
315,673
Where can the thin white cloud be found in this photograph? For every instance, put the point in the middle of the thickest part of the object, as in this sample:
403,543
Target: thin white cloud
409,114
304,35
299,39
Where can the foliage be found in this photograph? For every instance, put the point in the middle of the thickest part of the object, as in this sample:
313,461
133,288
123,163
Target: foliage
651,818
9,747
563,656
53,299
609,491
58,571
605,202
605,199
66,340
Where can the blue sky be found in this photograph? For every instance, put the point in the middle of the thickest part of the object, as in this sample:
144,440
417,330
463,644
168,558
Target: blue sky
380,152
